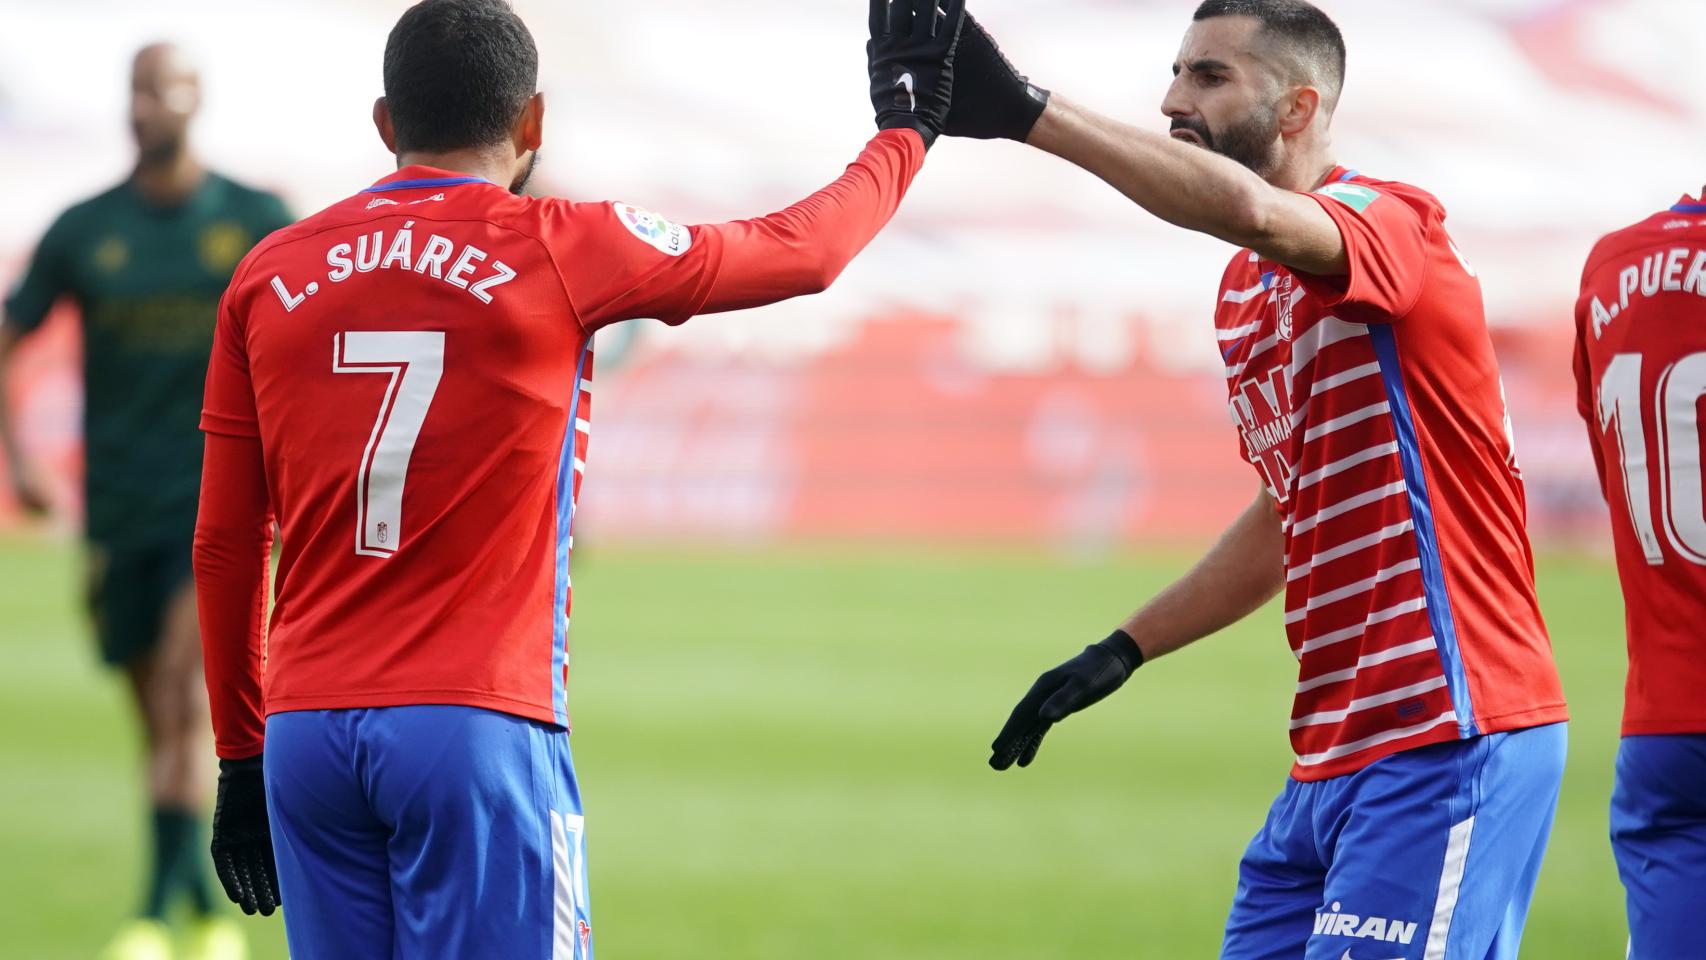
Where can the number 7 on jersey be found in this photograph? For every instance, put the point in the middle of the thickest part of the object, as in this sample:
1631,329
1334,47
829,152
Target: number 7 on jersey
414,361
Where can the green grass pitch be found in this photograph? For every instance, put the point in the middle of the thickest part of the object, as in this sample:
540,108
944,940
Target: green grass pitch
782,754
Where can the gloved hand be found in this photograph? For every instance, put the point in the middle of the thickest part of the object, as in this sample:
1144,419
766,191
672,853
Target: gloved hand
991,100
242,838
911,55
1078,683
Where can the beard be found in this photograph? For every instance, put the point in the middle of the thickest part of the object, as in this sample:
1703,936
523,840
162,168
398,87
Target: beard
519,185
1250,141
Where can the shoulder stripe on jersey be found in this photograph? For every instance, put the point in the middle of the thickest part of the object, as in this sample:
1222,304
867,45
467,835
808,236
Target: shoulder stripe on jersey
423,183
1346,506
1367,703
1689,208
1347,548
1350,590
567,465
1357,746
1238,333
1349,175
1358,629
1245,296
1427,539
1367,660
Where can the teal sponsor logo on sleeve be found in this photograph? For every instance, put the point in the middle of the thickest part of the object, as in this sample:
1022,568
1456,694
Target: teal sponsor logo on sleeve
1352,195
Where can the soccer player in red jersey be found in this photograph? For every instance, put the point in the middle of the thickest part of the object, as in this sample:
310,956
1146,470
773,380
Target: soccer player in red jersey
1428,724
1640,373
404,381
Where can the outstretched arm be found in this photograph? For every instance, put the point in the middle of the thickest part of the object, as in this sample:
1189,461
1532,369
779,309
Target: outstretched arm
1194,188
1180,183
802,249
1242,571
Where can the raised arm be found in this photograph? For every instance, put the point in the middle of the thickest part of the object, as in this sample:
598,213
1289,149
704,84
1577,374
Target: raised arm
1180,183
1242,571
1195,189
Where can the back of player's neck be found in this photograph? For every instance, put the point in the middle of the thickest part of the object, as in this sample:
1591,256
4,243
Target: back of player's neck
470,163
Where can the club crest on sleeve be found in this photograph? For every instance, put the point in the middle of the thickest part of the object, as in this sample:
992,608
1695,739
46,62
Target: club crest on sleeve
669,238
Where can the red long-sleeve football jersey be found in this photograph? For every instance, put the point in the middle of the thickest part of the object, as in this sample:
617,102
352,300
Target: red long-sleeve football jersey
405,378
1640,374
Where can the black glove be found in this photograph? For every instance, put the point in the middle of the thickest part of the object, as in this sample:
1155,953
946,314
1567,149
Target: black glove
242,838
1065,690
992,100
911,56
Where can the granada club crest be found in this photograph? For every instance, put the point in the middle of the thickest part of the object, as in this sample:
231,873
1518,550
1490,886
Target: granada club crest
1284,301
1262,409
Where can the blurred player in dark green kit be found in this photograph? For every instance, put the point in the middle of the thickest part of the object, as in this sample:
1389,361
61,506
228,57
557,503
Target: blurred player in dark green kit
145,264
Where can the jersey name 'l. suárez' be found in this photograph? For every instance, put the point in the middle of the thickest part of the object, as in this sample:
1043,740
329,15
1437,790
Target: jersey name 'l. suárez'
436,257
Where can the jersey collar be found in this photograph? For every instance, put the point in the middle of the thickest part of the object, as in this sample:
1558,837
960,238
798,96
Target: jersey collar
1690,204
418,177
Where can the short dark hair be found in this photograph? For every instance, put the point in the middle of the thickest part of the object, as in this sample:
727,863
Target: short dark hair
457,74
1310,34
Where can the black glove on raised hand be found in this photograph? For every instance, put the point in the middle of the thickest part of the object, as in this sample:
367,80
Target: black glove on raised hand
911,54
1065,690
991,100
242,838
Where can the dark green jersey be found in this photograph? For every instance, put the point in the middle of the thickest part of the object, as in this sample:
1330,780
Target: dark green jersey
147,281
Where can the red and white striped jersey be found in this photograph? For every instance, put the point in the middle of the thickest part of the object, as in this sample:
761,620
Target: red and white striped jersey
1371,406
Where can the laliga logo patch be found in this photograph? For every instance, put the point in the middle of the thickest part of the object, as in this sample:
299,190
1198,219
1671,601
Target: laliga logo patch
585,931
669,238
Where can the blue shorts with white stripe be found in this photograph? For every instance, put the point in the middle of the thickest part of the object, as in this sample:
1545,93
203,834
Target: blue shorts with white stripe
1429,854
427,831
1658,832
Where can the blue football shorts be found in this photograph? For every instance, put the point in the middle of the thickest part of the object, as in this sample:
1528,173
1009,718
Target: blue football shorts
427,831
1658,833
1428,854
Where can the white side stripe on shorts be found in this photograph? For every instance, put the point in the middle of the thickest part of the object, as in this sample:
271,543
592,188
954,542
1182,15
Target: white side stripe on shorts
1450,880
566,831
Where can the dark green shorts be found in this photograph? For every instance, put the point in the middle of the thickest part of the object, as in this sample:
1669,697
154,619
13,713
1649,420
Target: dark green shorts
129,590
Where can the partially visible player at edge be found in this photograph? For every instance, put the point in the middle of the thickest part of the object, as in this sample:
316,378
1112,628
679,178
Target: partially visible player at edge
145,263
1428,721
403,379
1640,373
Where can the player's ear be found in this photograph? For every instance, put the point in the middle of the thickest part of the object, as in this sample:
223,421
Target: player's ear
1299,110
382,123
530,126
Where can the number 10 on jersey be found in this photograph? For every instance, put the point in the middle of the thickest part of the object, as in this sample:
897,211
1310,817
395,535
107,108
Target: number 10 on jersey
414,362
1682,508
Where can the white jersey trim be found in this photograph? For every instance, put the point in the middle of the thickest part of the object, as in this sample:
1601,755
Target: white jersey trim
1350,419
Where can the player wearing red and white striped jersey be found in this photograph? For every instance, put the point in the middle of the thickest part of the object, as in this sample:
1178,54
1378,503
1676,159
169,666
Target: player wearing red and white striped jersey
1640,368
1428,720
